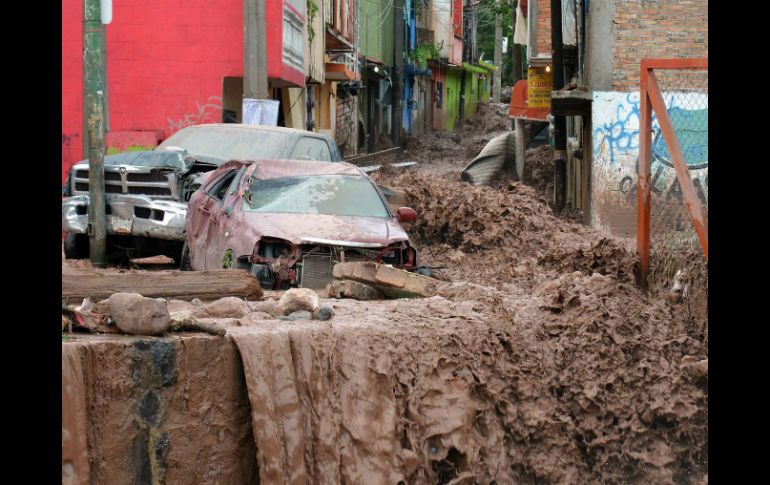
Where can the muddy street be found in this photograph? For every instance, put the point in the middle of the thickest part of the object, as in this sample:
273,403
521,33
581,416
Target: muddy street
537,359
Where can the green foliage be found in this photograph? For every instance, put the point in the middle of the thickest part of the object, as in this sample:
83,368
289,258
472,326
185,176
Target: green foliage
227,259
312,11
424,52
487,11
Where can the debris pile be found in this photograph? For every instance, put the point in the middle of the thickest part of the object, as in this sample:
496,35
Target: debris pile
493,236
537,359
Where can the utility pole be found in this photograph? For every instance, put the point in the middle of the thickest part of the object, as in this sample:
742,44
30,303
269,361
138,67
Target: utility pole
516,49
93,60
559,122
496,88
397,90
254,50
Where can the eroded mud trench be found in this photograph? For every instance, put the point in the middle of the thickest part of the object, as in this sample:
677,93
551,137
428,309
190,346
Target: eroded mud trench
538,361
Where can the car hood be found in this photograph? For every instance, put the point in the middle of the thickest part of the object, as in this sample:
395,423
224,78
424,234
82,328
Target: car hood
164,159
324,229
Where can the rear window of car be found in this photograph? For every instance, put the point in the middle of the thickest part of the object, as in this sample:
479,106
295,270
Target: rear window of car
336,195
308,148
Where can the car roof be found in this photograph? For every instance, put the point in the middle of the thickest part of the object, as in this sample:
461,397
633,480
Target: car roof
241,127
268,169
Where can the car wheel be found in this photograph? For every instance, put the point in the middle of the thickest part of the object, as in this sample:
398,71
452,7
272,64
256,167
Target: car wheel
76,246
184,260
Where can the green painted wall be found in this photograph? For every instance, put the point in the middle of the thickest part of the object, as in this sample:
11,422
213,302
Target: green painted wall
471,94
452,97
376,29
483,83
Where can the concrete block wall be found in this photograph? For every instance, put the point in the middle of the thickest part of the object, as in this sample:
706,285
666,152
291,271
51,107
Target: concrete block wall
346,125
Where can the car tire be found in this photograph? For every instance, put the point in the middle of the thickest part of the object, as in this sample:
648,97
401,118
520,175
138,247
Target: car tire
184,260
76,246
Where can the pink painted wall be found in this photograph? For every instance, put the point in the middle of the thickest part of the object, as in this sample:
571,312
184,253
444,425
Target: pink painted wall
165,60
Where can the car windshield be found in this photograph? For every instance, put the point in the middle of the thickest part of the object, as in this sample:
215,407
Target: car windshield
336,195
229,143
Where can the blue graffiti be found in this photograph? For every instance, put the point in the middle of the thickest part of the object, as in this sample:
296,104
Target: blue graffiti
618,134
621,135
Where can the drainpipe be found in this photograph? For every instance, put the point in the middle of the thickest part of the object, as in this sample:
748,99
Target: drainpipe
559,122
398,72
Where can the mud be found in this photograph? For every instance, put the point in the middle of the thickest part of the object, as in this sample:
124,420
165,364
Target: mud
441,152
581,379
172,410
540,361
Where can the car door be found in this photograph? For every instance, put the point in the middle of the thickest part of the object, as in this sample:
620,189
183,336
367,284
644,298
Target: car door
201,220
215,232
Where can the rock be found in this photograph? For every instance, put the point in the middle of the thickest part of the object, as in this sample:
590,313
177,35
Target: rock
137,315
298,315
228,307
324,313
353,289
176,306
695,367
102,307
197,302
297,299
268,306
256,318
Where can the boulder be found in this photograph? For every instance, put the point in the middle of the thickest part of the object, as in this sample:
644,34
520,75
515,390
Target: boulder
298,299
137,315
228,307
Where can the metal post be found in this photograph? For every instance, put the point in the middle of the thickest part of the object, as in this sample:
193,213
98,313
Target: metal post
398,72
255,83
643,185
93,60
559,122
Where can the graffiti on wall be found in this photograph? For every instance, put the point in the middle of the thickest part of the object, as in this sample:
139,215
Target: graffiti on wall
208,112
615,121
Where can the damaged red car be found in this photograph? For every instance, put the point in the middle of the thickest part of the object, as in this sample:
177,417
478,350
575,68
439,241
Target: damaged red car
289,222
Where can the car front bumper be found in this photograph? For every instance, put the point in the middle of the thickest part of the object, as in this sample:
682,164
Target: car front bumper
160,219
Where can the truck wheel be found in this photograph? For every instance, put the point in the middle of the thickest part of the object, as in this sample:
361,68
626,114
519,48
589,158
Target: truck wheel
184,260
76,246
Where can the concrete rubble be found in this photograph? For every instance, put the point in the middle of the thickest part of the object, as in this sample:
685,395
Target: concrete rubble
390,282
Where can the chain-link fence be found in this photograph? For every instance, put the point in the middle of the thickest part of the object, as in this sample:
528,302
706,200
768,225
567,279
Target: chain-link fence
677,252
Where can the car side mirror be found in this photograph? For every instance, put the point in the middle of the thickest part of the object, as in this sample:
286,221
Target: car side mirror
406,214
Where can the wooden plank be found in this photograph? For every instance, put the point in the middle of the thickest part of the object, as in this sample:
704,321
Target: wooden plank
372,156
182,285
694,206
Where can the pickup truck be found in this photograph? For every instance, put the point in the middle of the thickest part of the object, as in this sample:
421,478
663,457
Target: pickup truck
146,193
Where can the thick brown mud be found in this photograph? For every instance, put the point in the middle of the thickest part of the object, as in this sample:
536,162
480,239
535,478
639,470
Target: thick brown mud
538,361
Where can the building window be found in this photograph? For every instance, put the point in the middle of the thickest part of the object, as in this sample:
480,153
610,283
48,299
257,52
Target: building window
439,93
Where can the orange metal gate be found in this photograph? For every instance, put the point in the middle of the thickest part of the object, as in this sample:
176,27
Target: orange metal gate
652,104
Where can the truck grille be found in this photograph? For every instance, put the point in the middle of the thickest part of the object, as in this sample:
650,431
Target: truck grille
154,183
